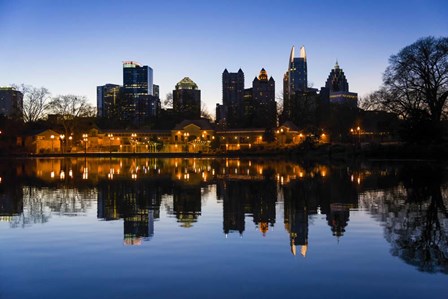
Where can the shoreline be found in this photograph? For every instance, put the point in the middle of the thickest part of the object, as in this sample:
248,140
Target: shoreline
323,152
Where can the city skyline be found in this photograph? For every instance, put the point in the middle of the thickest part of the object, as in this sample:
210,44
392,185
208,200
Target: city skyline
72,48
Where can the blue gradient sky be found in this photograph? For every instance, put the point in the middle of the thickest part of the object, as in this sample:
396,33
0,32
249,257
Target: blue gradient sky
73,46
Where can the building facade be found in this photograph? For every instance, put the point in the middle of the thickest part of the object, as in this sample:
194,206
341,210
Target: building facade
107,100
11,102
232,98
263,98
338,89
187,99
295,83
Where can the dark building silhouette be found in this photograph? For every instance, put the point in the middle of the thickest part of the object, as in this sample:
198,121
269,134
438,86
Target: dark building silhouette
156,91
233,206
338,218
187,204
137,203
263,198
11,102
229,113
253,107
337,89
187,99
296,219
263,97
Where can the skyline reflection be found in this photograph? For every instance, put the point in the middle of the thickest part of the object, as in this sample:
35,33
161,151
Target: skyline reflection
409,200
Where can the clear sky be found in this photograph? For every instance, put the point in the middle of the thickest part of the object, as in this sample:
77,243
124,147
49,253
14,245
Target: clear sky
74,46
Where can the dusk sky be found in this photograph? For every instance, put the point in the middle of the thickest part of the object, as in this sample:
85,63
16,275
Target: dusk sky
71,47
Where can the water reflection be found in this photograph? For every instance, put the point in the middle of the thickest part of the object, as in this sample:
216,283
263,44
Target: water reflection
409,200
415,217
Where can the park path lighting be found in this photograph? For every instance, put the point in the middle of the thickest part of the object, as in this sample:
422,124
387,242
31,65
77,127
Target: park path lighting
52,140
111,137
85,138
62,136
358,130
134,141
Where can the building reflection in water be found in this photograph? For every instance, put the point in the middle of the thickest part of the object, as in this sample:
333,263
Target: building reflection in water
410,201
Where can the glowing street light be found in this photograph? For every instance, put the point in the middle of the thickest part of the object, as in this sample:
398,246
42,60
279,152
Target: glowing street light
62,136
111,137
85,138
52,139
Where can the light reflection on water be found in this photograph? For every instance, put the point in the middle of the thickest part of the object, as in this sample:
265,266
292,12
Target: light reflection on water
185,224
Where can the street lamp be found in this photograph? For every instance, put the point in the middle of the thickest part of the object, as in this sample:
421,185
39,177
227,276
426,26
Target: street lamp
52,139
133,136
111,137
70,141
85,138
62,136
358,129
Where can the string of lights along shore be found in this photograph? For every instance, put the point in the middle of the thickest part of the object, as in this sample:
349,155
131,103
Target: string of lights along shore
137,101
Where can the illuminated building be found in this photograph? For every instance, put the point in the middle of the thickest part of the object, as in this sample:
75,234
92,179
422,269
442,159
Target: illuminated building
297,73
187,99
138,89
337,88
296,219
107,100
298,98
137,79
11,102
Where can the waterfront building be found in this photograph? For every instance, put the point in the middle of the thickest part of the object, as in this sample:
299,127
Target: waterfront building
11,102
187,99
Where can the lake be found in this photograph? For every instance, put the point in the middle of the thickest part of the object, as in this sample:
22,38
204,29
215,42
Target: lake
222,228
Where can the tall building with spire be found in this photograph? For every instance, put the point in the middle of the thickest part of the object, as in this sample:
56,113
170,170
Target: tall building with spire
263,97
297,73
337,88
297,96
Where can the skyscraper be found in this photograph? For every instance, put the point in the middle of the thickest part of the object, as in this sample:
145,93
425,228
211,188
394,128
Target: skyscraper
263,97
229,112
295,82
107,100
297,73
187,99
337,88
11,102
137,79
138,90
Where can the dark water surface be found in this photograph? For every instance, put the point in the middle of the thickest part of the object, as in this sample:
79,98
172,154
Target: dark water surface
217,228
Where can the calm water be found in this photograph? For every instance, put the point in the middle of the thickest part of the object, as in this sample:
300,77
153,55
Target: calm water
207,228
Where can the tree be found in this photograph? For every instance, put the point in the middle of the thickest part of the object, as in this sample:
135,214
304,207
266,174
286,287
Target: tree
205,113
69,109
416,80
35,101
168,102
